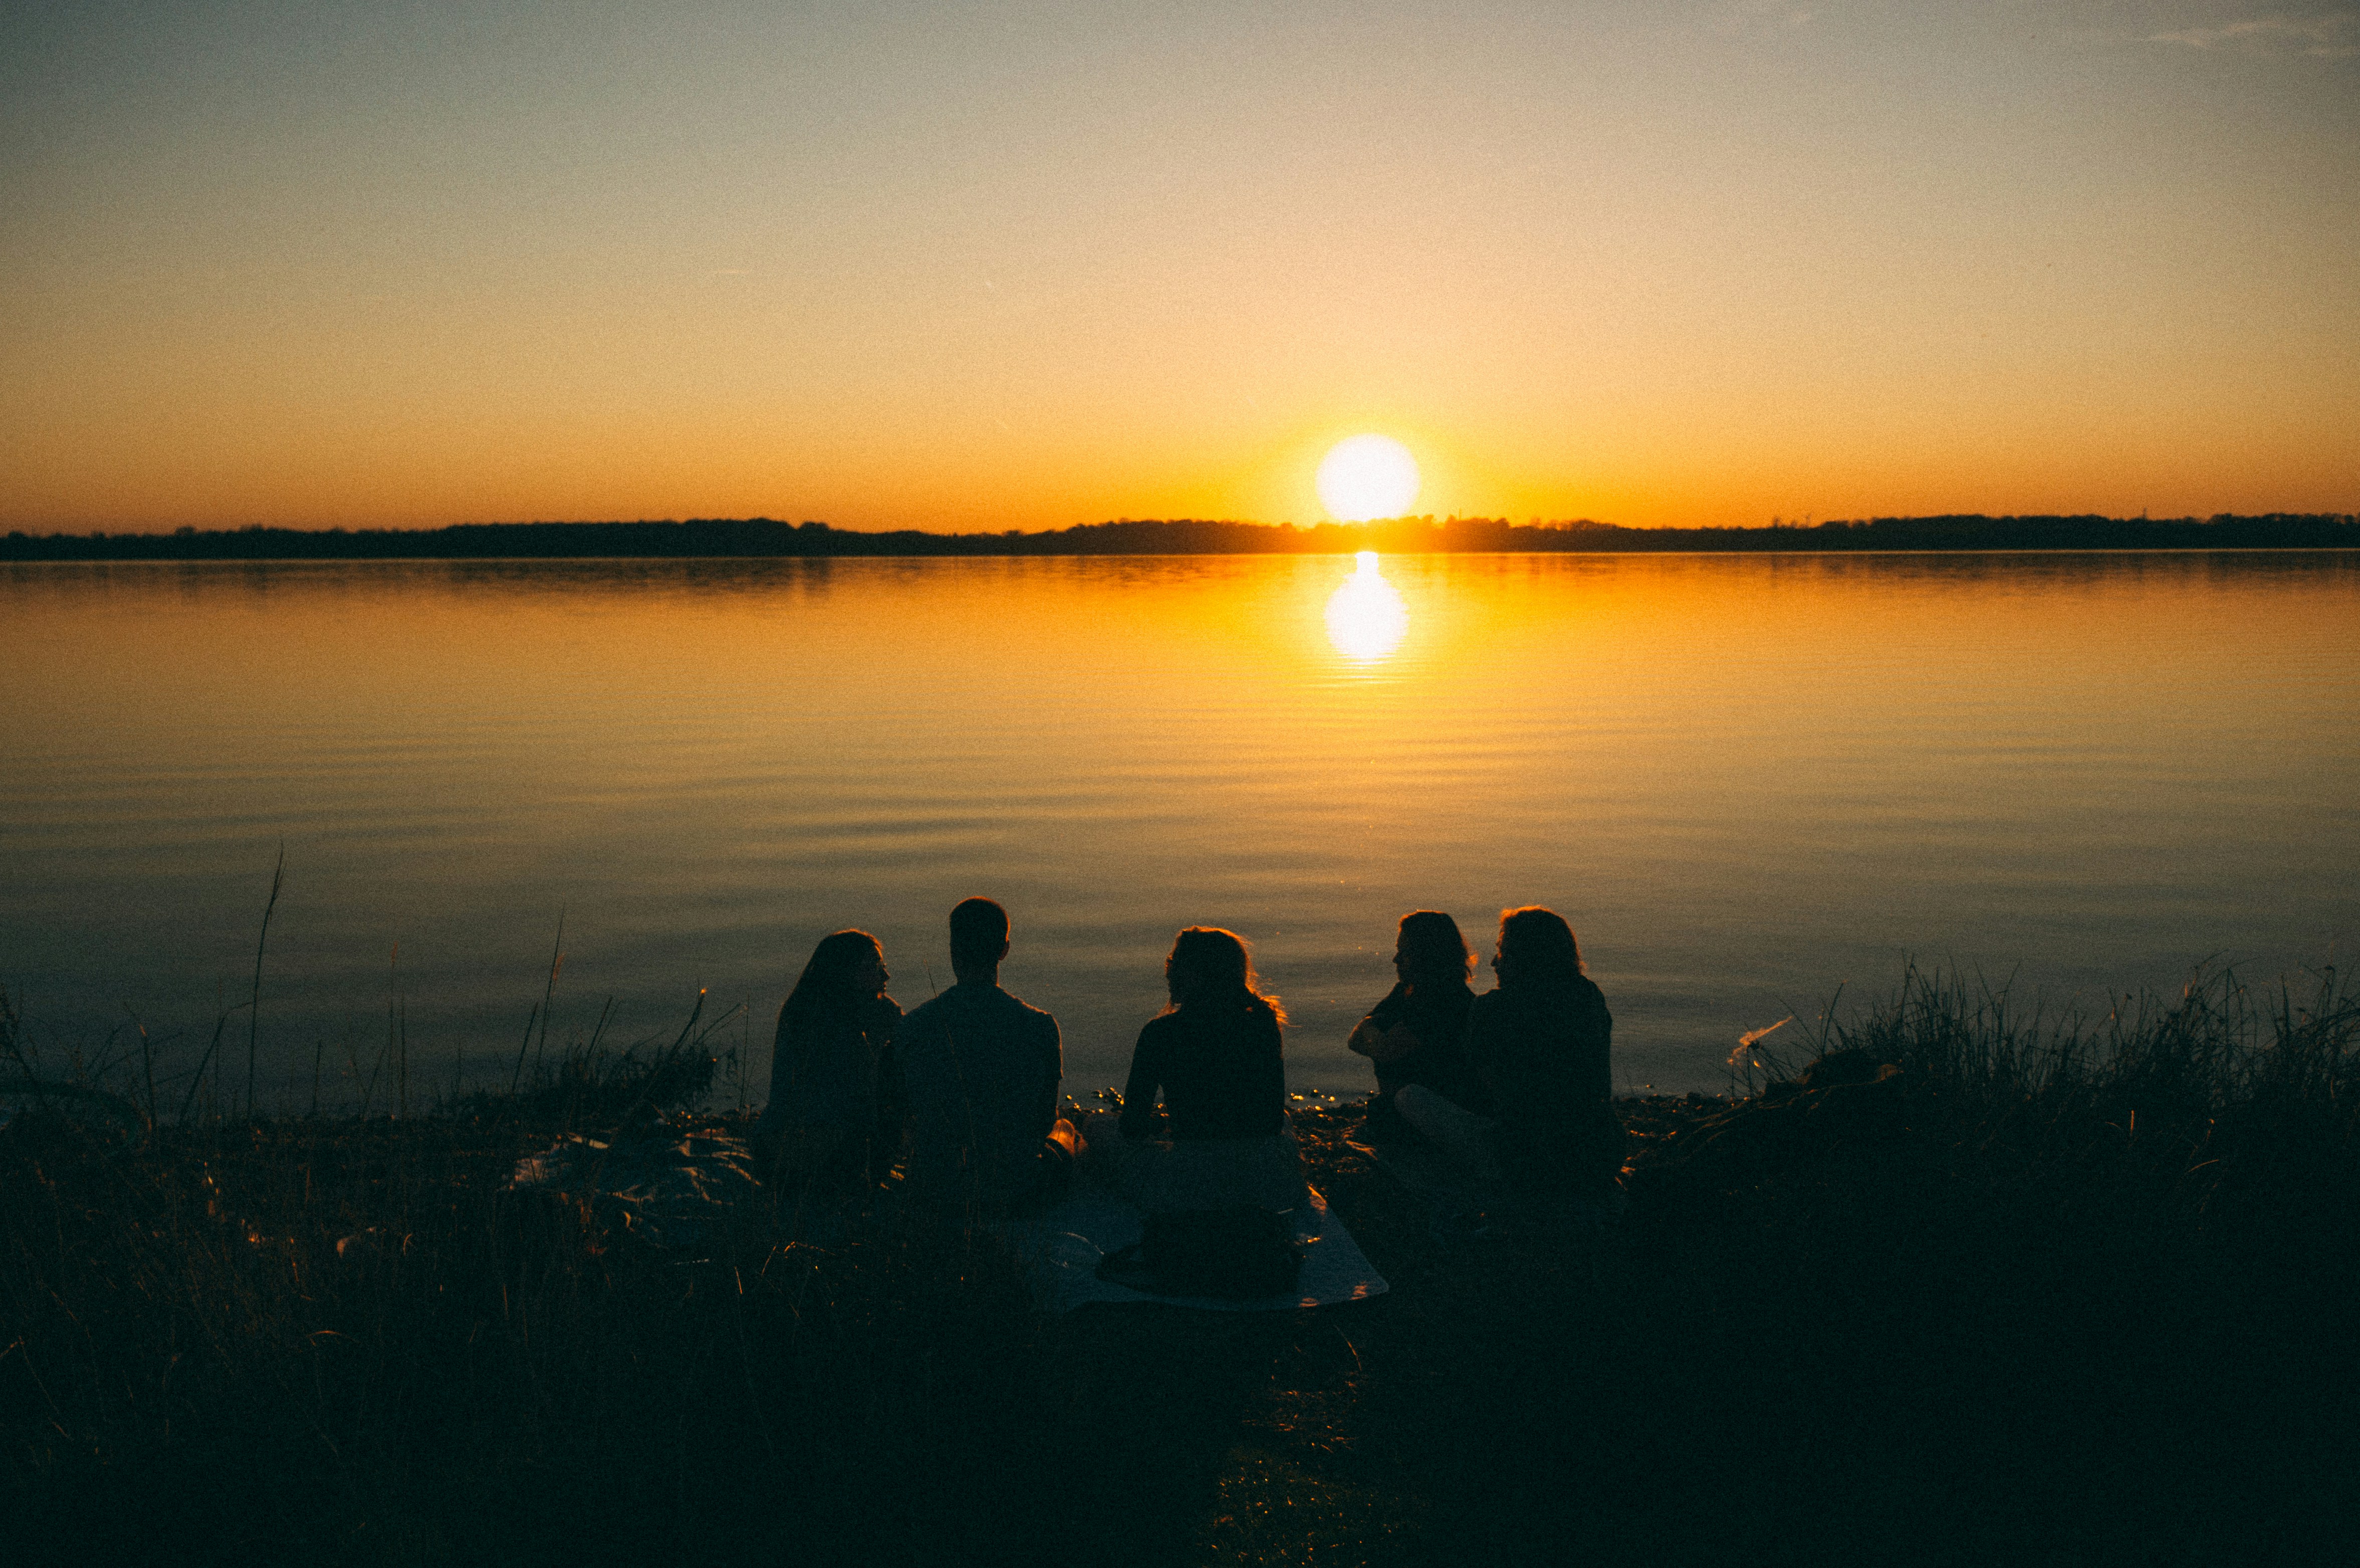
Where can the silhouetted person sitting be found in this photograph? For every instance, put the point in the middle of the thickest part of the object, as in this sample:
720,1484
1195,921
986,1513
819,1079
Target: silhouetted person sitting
980,1071
1416,1034
1215,1056
1541,1043
831,1101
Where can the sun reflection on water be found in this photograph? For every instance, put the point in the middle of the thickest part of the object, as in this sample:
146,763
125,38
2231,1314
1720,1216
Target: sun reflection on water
1366,618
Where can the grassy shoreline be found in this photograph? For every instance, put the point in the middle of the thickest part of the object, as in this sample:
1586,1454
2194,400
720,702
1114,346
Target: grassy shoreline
2046,1290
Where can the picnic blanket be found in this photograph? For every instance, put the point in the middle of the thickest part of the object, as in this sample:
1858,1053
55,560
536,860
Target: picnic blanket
1060,1247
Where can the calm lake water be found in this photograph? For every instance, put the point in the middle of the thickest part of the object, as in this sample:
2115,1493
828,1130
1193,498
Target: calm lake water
1746,779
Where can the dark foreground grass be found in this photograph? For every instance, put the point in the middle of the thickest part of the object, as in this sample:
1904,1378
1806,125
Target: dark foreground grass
2039,1294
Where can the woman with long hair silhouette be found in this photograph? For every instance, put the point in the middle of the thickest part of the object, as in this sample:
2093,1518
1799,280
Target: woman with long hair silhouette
1541,1043
1214,1058
831,1095
1415,1035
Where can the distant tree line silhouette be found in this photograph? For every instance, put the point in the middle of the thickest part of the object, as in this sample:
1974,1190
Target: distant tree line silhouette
765,536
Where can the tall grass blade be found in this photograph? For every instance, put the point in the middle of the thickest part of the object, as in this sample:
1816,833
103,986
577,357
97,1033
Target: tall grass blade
147,1061
254,1001
556,962
197,1080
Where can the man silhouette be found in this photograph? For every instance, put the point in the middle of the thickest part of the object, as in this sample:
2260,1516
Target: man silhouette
980,1070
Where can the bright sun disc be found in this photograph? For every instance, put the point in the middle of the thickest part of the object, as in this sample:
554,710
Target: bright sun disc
1368,476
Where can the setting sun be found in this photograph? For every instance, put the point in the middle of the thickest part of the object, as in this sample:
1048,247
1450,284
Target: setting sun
1368,476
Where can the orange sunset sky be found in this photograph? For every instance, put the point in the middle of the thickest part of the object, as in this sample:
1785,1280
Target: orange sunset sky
1013,266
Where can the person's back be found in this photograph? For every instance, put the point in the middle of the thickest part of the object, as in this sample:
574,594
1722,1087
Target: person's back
1544,1043
1415,1037
979,1071
1219,1066
1544,1051
1215,1059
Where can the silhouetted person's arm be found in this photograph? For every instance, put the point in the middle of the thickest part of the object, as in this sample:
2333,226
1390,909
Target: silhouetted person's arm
1383,1037
1594,1045
892,1088
1052,1072
1271,1074
1139,1119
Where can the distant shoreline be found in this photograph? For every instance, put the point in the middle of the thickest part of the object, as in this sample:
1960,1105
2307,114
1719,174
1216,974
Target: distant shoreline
768,538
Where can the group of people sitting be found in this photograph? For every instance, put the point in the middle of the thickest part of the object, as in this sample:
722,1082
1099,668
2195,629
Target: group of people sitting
1510,1087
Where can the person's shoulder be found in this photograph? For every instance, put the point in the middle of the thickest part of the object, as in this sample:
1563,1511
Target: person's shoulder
1500,1011
1000,1008
1260,1019
1163,1027
1451,999
1016,1004
954,1012
1020,1017
1041,1020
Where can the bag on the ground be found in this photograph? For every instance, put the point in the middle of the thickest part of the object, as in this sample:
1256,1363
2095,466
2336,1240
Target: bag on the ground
1233,1254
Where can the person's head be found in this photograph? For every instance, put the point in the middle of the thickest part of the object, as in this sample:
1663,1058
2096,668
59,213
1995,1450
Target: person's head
978,937
1209,967
1536,948
847,966
1430,951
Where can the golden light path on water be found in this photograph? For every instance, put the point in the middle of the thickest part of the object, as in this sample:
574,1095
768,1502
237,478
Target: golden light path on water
1748,780
1366,617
